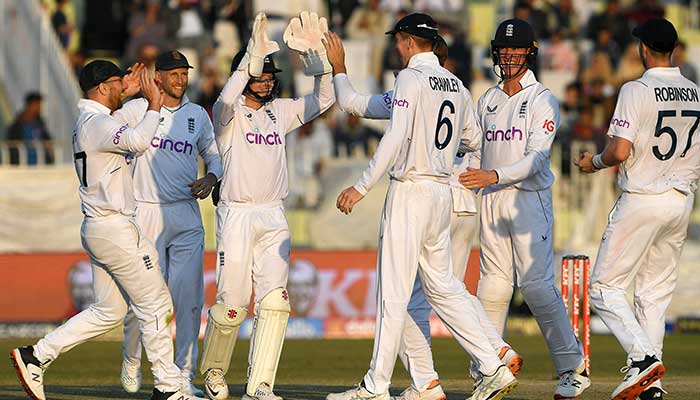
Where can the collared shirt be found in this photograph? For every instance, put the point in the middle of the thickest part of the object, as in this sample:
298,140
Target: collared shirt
378,106
163,172
252,142
518,132
431,113
101,145
660,114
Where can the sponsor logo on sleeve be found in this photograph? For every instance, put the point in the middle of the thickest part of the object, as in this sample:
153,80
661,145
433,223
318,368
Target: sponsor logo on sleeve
118,134
549,125
622,123
387,98
400,103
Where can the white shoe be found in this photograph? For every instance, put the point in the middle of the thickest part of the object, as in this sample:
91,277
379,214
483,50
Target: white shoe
572,383
215,385
130,377
189,388
357,393
494,387
263,392
639,375
29,371
511,359
433,392
179,395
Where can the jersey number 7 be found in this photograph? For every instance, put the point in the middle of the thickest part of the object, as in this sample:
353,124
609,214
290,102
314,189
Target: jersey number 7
660,130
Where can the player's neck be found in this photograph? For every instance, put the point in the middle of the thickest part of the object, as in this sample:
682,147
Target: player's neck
171,102
254,104
512,85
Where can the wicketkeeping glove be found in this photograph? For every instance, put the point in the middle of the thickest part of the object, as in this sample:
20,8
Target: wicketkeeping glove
304,35
259,46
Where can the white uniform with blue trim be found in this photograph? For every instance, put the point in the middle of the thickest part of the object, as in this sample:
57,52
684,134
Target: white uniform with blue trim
252,232
431,114
659,114
169,216
118,250
415,351
517,215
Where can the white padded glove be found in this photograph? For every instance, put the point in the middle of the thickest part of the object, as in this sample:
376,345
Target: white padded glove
304,35
259,46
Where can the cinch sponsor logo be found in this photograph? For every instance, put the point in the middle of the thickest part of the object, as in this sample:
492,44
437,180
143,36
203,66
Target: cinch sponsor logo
270,139
496,135
167,144
118,135
400,103
622,123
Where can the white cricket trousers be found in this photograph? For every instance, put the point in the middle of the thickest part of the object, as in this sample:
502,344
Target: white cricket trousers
517,248
415,240
177,232
642,243
415,352
125,269
253,245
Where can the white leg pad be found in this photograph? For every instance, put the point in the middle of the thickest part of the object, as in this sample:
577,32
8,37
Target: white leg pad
220,337
268,337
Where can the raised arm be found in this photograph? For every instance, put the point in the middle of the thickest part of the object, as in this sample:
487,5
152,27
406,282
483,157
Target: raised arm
303,110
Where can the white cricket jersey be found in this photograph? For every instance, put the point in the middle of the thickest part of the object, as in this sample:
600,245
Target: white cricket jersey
252,142
431,113
101,145
659,113
163,172
518,132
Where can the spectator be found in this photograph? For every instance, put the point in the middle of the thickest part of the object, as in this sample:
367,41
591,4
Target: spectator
191,32
566,18
569,114
60,24
679,60
29,127
560,56
585,129
537,18
353,134
612,20
308,149
148,27
459,55
105,29
368,23
599,68
630,66
644,10
605,43
209,87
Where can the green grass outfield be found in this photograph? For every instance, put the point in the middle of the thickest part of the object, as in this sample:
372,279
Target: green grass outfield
309,369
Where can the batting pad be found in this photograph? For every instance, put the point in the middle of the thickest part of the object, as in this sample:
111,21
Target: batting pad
268,336
220,337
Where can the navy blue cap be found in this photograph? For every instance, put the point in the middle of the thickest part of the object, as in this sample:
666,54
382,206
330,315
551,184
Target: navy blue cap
171,60
417,24
97,72
658,34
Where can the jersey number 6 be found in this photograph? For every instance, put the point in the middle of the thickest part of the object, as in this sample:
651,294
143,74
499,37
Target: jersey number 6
444,121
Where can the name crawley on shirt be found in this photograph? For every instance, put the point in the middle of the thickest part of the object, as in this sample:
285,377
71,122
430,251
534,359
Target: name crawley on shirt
444,84
671,93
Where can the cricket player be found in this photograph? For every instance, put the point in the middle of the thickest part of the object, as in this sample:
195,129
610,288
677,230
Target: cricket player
519,118
124,261
652,140
415,351
166,189
253,246
431,114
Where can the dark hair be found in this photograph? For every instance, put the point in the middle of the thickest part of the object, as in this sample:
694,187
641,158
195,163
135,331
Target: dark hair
32,97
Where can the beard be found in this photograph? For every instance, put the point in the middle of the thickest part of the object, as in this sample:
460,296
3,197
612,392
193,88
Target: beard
174,93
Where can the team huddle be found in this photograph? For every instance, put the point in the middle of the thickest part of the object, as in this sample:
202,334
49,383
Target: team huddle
137,167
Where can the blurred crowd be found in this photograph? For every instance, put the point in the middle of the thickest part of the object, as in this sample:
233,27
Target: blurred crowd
586,53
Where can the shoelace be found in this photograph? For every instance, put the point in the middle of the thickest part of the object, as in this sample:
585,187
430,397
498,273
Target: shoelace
567,379
215,376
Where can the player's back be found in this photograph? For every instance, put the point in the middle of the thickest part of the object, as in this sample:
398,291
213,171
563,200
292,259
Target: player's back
440,117
660,114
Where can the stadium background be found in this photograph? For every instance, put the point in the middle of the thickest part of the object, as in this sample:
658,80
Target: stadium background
586,53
